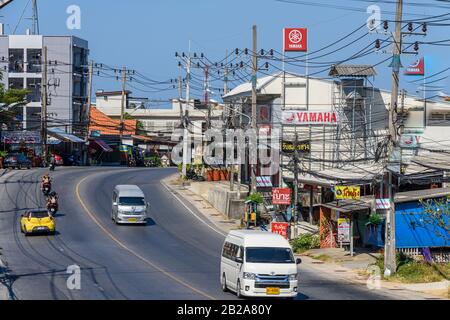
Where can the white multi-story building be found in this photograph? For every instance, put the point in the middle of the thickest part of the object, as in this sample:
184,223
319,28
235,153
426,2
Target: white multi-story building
344,119
21,64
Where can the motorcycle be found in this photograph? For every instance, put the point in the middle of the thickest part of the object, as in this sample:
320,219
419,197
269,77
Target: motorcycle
192,175
52,208
52,167
46,188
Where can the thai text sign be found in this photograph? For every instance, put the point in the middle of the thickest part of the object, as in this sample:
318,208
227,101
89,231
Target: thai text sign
309,117
281,196
280,228
347,192
18,137
302,147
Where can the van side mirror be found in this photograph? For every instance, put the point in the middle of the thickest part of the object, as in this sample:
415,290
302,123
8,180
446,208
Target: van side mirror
239,260
115,204
298,261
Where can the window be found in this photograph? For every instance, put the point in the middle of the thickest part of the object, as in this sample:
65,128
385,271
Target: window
149,126
16,60
439,119
169,125
15,83
34,85
269,255
131,201
34,60
232,251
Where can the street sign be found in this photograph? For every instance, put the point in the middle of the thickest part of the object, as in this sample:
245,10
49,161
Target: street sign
383,204
282,196
303,147
280,228
410,141
264,182
309,117
347,192
295,39
17,137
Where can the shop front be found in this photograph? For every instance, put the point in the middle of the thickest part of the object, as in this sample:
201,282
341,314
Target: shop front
28,143
343,223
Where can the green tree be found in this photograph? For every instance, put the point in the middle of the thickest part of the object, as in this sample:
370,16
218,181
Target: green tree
9,97
436,217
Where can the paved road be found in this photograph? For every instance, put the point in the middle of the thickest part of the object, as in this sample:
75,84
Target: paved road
174,257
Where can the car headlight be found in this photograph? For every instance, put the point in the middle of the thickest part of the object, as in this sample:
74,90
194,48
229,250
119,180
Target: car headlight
293,277
249,276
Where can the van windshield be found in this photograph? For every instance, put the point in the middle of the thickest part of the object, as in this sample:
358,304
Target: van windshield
269,255
131,201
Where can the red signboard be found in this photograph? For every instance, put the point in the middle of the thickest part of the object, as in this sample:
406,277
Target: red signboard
417,68
281,196
295,39
280,228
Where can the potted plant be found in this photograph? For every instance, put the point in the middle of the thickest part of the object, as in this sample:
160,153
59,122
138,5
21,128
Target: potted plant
216,175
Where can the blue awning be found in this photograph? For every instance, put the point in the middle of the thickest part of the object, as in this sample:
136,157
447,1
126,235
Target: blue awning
64,136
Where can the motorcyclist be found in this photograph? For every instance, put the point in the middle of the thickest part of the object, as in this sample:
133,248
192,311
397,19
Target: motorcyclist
46,180
52,200
53,161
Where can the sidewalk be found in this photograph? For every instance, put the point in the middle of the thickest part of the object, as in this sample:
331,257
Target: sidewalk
355,269
195,193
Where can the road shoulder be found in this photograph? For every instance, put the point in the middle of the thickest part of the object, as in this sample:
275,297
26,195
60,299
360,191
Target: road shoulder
374,283
201,205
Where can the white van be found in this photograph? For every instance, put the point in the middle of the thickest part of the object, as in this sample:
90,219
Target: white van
258,264
129,205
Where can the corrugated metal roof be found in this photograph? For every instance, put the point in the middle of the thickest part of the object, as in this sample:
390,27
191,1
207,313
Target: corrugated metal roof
421,195
349,205
343,70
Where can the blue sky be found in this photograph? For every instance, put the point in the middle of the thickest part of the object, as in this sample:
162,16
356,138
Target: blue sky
144,35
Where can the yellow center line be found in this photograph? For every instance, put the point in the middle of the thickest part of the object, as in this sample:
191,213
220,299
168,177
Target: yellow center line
122,245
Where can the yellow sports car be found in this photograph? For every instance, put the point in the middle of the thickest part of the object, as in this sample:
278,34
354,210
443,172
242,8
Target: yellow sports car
37,222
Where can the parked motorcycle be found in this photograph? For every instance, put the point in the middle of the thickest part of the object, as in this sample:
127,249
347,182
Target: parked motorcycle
192,175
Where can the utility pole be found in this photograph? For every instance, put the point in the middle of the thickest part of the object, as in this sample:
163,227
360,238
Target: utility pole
88,107
122,108
208,105
296,163
44,107
390,246
180,97
35,19
186,157
254,106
